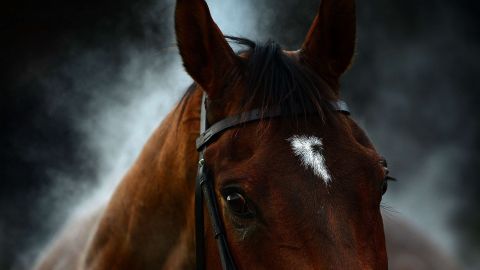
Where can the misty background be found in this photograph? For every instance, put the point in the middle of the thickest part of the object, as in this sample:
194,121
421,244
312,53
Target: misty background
84,83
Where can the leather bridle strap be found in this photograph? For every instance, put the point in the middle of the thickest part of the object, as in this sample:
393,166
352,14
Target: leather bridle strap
253,115
204,189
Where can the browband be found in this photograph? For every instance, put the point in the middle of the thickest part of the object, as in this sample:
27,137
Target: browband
253,115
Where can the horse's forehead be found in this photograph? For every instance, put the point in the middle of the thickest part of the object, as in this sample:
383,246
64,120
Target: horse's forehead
309,151
309,148
317,149
322,154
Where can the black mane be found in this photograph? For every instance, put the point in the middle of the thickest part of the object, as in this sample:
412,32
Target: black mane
274,80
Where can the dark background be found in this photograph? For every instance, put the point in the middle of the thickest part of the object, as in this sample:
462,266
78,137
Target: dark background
414,87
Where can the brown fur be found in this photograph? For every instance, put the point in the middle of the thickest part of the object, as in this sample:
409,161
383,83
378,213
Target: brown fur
408,249
301,223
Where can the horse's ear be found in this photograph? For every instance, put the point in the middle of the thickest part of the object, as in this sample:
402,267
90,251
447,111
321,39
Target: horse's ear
206,54
330,42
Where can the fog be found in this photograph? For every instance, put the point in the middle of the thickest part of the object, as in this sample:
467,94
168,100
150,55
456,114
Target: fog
120,114
401,90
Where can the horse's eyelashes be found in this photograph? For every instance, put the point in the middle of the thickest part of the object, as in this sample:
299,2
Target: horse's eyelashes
391,178
384,162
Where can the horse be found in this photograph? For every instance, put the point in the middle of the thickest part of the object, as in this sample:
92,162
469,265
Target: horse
260,143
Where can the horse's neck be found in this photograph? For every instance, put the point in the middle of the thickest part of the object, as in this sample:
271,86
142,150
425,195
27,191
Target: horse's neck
150,220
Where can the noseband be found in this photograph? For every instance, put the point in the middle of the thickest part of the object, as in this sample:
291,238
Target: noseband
204,189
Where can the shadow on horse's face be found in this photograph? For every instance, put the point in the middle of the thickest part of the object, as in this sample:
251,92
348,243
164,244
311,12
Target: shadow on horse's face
278,208
294,192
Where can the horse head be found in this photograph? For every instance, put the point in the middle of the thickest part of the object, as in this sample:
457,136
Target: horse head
300,191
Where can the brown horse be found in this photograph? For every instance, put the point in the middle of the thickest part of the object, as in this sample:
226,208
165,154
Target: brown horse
300,191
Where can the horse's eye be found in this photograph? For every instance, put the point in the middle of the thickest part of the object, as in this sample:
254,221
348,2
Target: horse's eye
384,186
238,204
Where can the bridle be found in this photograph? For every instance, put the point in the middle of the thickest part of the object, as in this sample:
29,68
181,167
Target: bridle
204,188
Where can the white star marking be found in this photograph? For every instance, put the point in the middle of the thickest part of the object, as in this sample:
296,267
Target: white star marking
309,149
